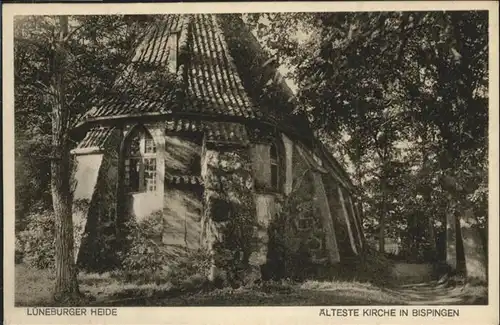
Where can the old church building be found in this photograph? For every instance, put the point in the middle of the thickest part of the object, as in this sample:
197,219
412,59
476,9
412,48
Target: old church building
202,129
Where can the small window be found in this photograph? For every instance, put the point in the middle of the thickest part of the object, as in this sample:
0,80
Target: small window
305,223
140,162
150,174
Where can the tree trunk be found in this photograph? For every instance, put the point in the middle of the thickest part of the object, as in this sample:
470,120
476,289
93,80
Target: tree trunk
475,255
432,237
66,283
381,239
66,287
451,237
426,134
466,227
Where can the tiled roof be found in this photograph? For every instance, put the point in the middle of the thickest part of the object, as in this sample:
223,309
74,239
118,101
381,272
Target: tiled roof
153,48
206,73
213,81
221,71
226,132
215,131
184,125
96,137
184,179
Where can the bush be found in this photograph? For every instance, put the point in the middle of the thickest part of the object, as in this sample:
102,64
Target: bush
143,256
35,244
371,266
147,260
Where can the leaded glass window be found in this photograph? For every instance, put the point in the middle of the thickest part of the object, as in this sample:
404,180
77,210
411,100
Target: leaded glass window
140,162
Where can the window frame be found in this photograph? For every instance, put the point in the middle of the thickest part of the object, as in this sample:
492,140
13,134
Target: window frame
146,156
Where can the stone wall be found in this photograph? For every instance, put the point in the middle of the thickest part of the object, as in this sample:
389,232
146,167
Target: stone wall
267,206
94,207
229,212
303,235
309,194
353,221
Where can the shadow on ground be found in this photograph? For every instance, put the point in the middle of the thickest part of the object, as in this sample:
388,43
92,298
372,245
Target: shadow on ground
311,294
432,293
34,288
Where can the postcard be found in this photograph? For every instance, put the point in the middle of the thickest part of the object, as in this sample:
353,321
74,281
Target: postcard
221,163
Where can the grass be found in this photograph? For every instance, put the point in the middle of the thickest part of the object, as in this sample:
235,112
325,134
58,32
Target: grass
33,288
309,293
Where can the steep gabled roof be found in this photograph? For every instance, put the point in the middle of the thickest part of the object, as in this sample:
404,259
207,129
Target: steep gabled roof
221,73
206,80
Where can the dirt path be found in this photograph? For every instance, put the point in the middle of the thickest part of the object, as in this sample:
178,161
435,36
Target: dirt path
419,288
432,293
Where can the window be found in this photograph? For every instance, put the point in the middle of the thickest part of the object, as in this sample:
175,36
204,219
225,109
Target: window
274,168
140,162
305,223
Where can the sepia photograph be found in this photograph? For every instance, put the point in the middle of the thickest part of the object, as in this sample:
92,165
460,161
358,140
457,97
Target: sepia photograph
251,159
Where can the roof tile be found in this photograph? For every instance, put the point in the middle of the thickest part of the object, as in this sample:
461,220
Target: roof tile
215,131
97,137
184,179
212,76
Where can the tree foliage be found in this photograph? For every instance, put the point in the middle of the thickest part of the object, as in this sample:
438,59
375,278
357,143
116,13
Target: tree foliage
62,63
97,48
402,98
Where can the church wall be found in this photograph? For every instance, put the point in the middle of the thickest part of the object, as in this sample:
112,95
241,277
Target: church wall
182,155
144,204
355,220
321,200
176,155
339,220
351,230
311,219
97,250
266,209
87,169
306,222
194,218
182,205
94,206
228,221
260,154
182,213
288,183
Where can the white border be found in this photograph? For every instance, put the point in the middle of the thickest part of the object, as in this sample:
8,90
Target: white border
236,315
